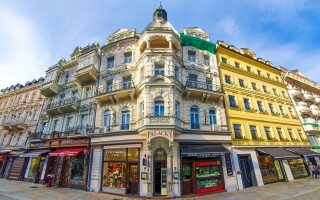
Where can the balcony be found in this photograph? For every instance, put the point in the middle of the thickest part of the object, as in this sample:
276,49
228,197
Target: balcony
311,128
62,106
303,108
315,110
86,74
164,121
317,100
49,88
36,137
203,90
116,91
308,97
296,92
72,132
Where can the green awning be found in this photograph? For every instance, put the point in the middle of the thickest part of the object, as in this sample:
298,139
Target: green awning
312,124
198,43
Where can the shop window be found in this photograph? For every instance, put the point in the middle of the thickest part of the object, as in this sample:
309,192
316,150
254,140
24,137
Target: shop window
107,119
194,117
212,117
208,176
128,57
159,70
133,154
270,169
298,168
237,131
191,56
253,131
33,168
110,62
125,119
77,168
232,102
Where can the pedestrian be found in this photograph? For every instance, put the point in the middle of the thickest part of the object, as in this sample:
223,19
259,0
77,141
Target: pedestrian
313,170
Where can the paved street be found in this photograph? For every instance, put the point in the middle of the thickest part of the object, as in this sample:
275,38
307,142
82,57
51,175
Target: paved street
301,189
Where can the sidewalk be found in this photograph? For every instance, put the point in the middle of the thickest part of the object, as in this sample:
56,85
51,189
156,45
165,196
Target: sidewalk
300,189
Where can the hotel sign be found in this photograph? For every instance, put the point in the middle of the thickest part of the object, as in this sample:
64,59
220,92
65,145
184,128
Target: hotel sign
168,134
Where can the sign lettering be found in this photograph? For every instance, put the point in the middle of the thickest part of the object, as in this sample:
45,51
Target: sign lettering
168,134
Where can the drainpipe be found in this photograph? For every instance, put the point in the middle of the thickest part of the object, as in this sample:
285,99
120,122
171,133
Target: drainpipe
94,122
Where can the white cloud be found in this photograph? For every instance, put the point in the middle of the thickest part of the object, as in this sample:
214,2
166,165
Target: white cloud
23,51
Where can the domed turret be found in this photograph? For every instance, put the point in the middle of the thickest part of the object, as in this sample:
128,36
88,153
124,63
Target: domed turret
160,14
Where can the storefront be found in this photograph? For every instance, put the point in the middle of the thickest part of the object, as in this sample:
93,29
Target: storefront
271,163
121,169
299,166
69,162
3,161
37,159
202,169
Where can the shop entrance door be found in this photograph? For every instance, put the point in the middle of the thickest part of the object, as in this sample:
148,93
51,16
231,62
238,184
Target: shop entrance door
159,162
65,172
187,178
245,171
133,178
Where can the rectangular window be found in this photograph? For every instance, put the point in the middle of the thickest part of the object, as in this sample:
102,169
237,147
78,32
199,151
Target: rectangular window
68,124
141,109
107,119
253,131
109,86
248,69
126,83
128,57
300,134
265,90
254,86
177,73
291,112
159,70
191,56
291,134
279,131
177,109
209,84
224,60
232,102
84,121
193,81
125,123
275,92
43,128
259,72
55,125
284,94
267,132
282,110
237,64
260,106
110,62
268,75
227,79
271,108
246,104
159,109
87,92
237,131
206,60
241,83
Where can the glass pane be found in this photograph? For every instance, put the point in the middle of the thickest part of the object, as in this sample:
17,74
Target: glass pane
161,110
114,175
133,154
77,168
186,173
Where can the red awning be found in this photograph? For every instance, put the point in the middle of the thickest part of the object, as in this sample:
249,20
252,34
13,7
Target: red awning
67,152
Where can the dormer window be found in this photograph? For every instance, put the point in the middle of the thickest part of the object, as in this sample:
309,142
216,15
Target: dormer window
128,57
191,56
110,62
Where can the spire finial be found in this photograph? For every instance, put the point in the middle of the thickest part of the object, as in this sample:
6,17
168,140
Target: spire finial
160,5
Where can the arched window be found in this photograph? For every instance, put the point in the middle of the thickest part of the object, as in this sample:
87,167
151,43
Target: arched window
159,107
107,119
212,117
125,118
160,154
194,117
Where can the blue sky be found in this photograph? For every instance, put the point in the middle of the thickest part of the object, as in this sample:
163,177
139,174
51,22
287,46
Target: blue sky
36,34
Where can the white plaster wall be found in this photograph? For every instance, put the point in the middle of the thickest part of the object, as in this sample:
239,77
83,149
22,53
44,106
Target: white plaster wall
96,169
287,170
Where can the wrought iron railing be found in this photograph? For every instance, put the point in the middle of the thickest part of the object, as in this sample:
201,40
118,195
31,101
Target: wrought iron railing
62,102
203,85
116,87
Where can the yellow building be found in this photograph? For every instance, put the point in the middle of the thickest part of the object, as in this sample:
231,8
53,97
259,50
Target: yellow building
262,118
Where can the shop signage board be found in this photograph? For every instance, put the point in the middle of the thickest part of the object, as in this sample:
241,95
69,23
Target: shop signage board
164,187
229,165
201,155
209,189
160,133
69,142
207,163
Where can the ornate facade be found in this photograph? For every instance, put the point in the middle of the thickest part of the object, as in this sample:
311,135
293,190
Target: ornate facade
159,102
20,108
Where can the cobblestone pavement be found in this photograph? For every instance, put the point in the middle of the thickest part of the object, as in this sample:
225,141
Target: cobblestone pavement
300,189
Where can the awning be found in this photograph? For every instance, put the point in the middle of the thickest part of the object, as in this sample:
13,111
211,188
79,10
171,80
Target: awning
279,153
68,152
16,153
35,153
303,151
5,151
3,157
203,151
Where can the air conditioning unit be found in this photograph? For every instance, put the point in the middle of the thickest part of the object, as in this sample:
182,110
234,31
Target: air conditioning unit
215,127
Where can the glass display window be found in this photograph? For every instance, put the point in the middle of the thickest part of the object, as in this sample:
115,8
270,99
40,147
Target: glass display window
133,154
77,168
33,167
270,169
298,168
114,175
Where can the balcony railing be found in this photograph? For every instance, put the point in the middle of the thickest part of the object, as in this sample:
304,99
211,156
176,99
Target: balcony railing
116,87
69,132
203,85
62,102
